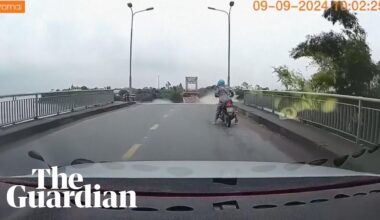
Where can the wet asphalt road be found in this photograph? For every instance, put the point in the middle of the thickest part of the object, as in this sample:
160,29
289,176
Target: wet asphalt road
146,132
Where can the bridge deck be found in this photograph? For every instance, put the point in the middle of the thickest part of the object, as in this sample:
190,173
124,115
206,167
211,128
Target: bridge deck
156,132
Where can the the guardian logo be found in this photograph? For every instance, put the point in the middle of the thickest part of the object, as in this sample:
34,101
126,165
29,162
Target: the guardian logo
65,192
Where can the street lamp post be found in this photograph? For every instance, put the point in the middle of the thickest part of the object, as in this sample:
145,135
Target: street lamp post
130,44
228,13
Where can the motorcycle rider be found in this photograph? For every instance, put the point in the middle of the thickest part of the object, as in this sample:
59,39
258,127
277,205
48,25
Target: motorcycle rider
223,93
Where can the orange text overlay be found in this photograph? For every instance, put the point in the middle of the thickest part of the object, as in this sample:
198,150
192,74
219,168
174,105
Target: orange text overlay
12,6
316,5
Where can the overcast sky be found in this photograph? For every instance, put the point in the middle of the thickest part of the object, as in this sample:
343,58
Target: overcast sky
58,43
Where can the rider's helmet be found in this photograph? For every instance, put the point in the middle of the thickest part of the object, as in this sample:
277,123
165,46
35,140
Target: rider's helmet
221,83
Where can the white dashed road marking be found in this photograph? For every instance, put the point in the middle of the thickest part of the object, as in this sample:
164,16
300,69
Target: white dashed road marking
154,127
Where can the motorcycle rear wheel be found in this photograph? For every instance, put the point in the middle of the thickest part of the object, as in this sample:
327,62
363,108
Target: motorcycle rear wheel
227,120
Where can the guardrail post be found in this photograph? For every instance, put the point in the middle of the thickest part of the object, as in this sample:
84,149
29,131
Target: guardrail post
358,129
36,107
73,103
272,100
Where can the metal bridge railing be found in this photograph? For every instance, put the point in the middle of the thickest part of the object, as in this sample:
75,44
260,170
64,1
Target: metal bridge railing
24,107
355,118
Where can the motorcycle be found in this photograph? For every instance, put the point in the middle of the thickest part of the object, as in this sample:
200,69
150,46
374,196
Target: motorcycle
228,113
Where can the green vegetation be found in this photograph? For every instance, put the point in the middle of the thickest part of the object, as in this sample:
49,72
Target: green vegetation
148,94
172,93
343,59
290,79
239,90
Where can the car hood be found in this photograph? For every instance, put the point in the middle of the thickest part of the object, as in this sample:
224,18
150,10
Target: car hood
204,169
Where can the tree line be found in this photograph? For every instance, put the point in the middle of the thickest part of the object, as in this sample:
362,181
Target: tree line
343,59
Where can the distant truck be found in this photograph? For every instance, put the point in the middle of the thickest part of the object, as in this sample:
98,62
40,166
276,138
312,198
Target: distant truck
191,96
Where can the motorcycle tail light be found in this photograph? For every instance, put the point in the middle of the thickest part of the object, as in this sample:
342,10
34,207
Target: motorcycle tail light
229,104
